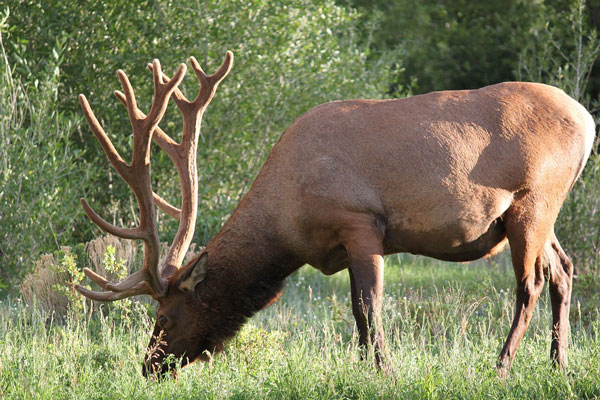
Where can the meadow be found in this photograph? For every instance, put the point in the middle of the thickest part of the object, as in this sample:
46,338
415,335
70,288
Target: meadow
445,324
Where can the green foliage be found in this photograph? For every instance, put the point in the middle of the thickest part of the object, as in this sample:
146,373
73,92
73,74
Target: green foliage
112,265
562,51
123,309
450,44
288,57
445,324
69,272
40,174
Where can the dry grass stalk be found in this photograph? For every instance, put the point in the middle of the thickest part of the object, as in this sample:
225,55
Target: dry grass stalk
124,250
38,287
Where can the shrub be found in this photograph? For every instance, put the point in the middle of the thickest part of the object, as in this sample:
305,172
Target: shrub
50,286
289,57
39,172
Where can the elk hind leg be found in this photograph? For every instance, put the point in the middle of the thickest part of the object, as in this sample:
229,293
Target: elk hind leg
526,244
560,285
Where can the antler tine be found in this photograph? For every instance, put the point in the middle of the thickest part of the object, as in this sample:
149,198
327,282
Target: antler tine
126,233
166,207
113,155
170,147
129,283
130,102
218,76
178,95
163,91
209,83
99,280
148,280
141,288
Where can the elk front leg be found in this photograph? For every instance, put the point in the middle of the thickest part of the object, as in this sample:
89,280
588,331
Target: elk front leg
366,279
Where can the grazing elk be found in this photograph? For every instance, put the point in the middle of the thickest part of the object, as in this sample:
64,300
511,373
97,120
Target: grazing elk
452,175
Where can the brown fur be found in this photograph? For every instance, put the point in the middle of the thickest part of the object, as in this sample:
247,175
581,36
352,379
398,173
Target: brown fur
451,175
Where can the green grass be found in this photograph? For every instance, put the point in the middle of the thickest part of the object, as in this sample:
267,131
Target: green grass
445,325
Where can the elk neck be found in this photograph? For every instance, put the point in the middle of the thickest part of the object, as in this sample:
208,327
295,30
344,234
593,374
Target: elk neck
247,259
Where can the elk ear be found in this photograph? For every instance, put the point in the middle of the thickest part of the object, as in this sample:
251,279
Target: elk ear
194,274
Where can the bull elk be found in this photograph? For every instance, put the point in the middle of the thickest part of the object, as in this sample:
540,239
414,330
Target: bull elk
452,175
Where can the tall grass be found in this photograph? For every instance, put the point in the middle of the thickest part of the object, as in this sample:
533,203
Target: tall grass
445,324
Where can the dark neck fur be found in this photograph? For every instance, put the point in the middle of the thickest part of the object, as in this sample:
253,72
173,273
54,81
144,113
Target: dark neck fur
247,267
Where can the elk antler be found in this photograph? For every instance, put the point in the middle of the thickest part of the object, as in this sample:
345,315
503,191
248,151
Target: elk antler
152,278
183,156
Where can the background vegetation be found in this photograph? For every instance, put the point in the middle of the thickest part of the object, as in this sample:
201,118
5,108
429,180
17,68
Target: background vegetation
445,325
290,56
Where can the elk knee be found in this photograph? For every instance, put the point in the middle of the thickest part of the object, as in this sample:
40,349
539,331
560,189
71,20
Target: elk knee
560,287
561,276
567,265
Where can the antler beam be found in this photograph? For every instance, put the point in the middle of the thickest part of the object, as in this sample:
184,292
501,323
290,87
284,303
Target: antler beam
152,278
183,155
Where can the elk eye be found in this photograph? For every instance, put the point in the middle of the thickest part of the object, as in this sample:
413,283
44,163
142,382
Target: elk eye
162,321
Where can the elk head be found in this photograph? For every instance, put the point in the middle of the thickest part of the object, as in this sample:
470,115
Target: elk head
172,286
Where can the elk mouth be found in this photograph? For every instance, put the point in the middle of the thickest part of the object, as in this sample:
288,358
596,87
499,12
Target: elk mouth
162,357
159,370
159,361
160,367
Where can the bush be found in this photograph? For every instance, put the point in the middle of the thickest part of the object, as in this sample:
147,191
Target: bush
39,173
39,288
288,58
